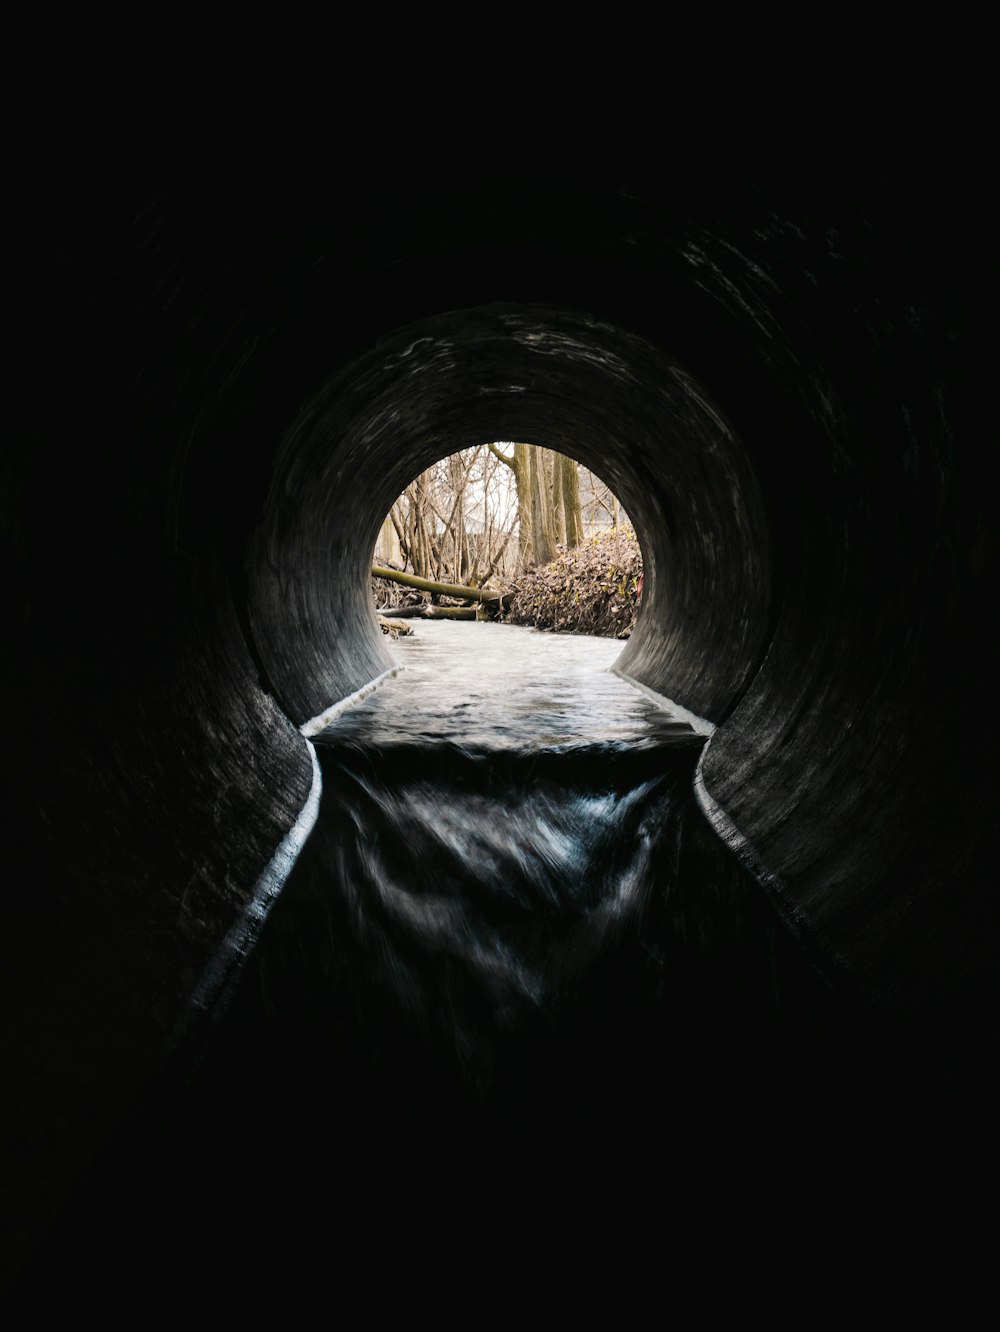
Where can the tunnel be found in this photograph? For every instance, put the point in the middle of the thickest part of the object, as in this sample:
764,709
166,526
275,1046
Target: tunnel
224,378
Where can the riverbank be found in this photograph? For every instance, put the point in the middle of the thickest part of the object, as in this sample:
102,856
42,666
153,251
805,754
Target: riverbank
593,588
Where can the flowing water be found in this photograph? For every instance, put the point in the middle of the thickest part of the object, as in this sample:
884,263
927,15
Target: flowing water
493,823
490,688
511,904
512,962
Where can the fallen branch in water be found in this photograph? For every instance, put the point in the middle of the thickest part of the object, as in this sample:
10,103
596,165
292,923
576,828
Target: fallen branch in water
454,613
393,627
483,594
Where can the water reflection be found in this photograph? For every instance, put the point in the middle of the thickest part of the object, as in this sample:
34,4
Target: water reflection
505,826
486,687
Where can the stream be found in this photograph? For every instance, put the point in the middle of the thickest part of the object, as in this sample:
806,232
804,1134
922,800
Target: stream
512,974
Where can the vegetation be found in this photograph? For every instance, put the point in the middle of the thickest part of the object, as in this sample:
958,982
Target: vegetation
593,588
510,532
454,522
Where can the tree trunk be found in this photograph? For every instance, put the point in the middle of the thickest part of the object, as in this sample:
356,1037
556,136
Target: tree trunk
520,464
558,508
573,515
543,546
547,475
404,546
421,553
522,477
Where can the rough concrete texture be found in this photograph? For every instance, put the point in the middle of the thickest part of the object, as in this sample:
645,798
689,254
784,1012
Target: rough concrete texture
224,377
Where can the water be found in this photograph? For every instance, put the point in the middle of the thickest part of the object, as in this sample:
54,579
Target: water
489,687
512,967
490,819
510,895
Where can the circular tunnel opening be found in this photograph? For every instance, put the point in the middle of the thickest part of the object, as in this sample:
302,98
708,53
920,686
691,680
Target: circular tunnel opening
467,876
509,532
575,385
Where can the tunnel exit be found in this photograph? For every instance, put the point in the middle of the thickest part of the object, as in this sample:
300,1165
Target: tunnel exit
509,532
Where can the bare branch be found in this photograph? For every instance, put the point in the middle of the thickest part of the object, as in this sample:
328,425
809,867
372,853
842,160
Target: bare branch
499,453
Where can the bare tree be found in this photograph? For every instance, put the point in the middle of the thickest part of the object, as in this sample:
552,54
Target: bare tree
600,507
519,463
569,495
548,500
543,546
457,520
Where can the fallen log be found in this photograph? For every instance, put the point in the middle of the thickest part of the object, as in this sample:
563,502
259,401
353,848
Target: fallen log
393,627
407,612
442,589
451,613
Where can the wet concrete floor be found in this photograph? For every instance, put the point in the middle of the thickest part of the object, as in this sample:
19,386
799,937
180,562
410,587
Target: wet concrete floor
513,975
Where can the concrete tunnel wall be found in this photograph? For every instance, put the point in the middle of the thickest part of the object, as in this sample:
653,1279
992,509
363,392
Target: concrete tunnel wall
512,372
221,386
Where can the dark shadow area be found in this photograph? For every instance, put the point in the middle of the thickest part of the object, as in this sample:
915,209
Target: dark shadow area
446,1050
438,1034
222,379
